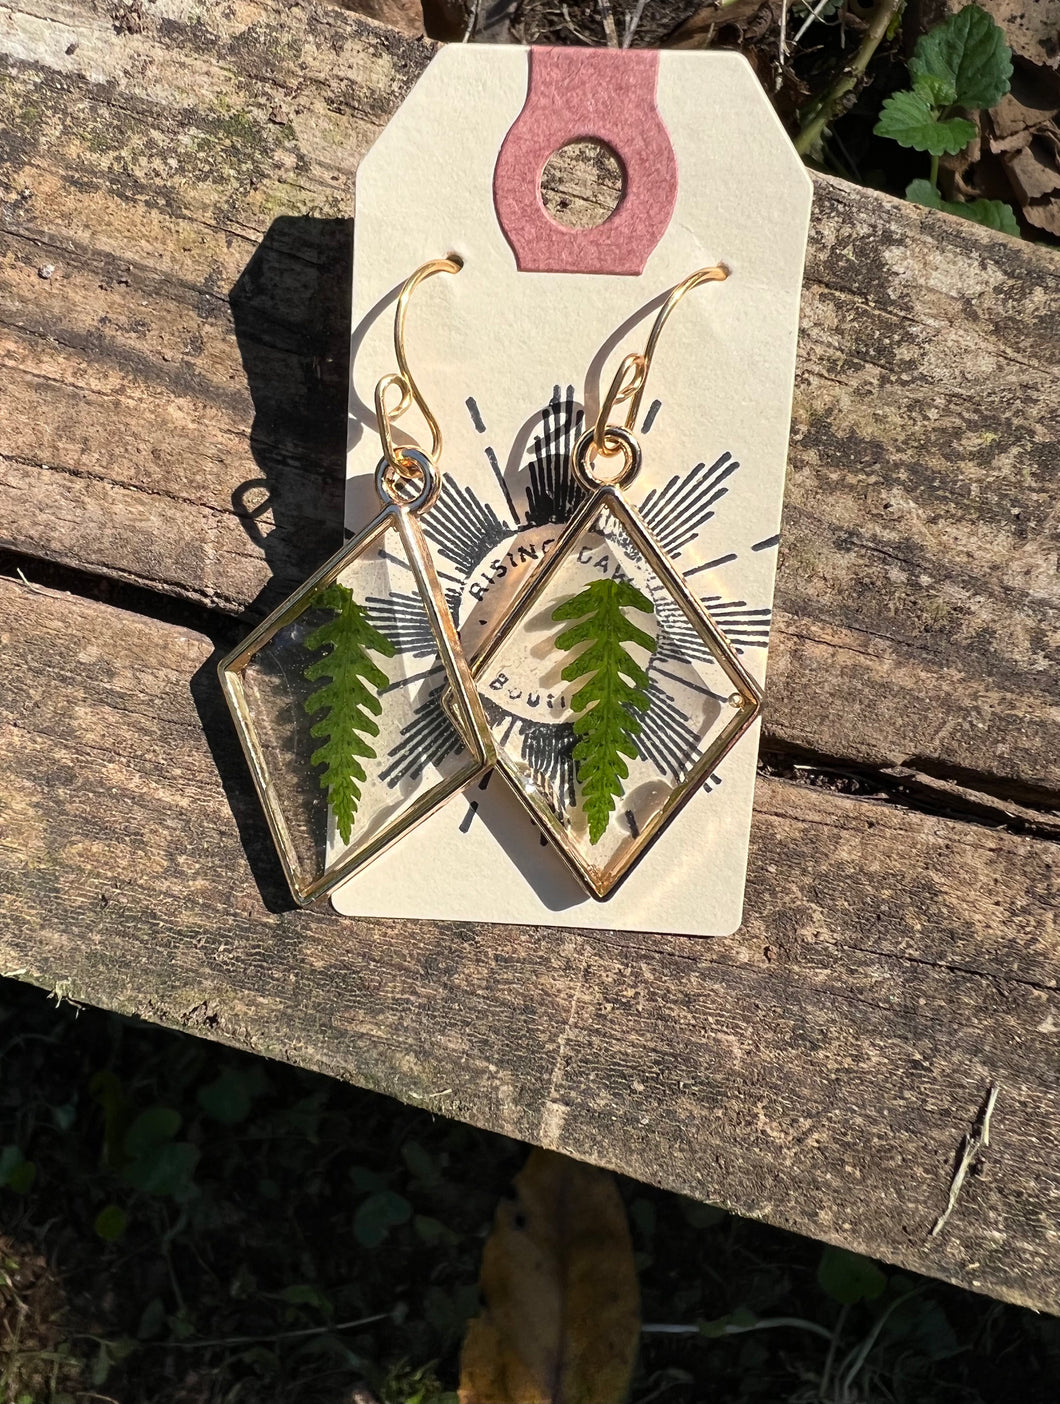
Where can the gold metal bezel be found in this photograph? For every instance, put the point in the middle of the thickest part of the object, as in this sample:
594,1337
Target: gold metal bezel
602,881
468,715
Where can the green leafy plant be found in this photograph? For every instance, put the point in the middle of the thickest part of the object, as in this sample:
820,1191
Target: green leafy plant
848,1277
614,693
230,1096
377,1215
962,65
154,1160
995,214
16,1172
111,1222
351,698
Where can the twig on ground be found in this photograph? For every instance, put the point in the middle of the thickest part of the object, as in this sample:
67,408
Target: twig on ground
579,34
837,1331
816,13
664,1328
472,21
275,1336
632,20
37,589
608,18
822,110
857,1357
974,1143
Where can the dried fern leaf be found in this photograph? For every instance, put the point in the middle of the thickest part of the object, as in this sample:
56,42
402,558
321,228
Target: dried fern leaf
613,695
350,697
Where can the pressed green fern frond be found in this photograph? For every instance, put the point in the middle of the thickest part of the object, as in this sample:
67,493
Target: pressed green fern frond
350,695
613,695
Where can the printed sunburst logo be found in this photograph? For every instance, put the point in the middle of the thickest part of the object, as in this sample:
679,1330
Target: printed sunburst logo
488,544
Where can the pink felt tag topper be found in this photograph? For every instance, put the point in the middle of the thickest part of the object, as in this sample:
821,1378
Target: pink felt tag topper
574,94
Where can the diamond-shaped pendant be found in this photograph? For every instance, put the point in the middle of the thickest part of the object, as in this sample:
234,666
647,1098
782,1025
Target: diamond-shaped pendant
337,700
679,698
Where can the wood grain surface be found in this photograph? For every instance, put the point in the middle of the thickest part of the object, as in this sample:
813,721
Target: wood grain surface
174,274
817,1069
174,407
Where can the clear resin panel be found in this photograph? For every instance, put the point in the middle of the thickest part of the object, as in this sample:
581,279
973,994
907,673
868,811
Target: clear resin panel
337,697
677,695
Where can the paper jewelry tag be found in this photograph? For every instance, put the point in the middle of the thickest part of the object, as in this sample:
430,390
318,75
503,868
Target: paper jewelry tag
510,355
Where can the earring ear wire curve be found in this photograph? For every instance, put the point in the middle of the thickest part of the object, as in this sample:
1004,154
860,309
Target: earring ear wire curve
632,375
403,377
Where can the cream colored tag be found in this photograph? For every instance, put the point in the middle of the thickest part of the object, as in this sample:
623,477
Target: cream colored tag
507,360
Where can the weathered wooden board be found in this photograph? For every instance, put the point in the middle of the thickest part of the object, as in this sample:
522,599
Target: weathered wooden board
174,265
818,1069
175,390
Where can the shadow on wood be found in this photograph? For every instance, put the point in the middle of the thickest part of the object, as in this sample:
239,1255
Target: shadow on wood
291,313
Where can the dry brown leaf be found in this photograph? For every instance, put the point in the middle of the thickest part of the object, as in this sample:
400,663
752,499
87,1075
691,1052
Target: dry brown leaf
404,15
560,1316
447,20
1032,100
1016,157
1024,132
1032,31
752,27
1033,170
726,25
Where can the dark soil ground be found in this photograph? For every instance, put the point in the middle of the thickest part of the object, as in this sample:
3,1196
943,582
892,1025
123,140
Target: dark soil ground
183,1224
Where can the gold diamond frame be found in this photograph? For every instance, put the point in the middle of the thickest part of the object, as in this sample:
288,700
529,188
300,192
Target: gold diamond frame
601,881
466,709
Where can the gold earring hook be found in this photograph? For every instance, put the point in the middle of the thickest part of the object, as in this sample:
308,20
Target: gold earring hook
410,392
632,375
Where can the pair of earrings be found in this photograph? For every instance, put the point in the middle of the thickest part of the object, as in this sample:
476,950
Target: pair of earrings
360,715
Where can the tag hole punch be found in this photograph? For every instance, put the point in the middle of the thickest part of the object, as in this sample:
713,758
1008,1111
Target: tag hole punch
595,100
582,184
